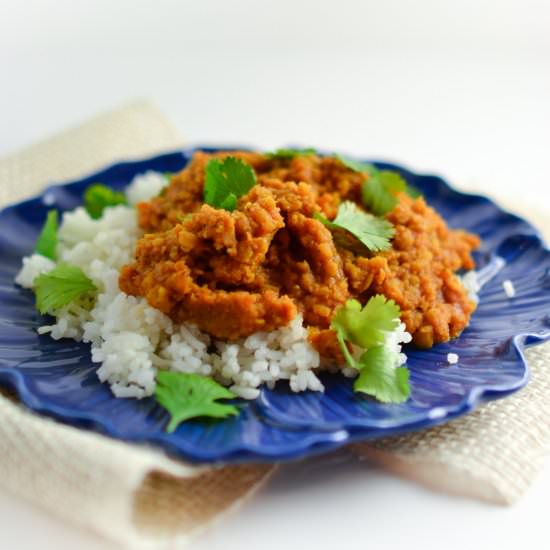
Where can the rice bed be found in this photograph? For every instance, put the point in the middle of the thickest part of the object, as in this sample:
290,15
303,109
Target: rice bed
131,340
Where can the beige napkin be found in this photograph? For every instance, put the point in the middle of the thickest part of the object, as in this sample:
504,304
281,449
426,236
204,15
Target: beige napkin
142,499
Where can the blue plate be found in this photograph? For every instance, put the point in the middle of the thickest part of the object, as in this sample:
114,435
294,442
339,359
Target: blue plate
59,380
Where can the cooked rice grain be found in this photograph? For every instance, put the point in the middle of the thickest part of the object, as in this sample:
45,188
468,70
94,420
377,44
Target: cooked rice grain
132,340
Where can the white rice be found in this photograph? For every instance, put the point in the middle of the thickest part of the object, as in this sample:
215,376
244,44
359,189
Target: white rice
452,358
393,341
474,280
145,186
509,288
131,340
472,284
33,266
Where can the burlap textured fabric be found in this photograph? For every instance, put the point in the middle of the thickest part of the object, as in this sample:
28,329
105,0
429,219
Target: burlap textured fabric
137,130
133,495
142,499
493,454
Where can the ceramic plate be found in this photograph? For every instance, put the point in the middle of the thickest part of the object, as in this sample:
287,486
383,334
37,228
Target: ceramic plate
58,379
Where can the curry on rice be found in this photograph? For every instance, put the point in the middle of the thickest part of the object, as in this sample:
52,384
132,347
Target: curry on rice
234,273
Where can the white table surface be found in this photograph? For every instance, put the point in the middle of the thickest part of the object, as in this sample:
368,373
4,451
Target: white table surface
458,88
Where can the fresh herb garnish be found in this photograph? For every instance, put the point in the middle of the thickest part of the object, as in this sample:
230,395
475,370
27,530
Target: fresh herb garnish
289,154
97,197
372,232
379,192
412,191
367,327
380,378
47,240
355,165
188,395
60,286
226,181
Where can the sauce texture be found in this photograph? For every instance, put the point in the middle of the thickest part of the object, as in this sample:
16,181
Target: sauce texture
255,268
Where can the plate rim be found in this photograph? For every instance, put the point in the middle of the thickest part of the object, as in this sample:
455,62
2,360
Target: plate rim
314,440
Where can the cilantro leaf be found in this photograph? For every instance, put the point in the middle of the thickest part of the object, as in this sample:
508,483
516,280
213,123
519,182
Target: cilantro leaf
372,232
47,240
379,378
97,197
226,181
60,286
187,395
413,191
289,154
355,165
379,191
366,326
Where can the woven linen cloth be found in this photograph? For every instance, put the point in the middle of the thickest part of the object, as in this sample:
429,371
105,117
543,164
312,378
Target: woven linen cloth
131,494
139,497
492,454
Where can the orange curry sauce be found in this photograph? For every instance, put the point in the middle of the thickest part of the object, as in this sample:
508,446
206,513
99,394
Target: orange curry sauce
256,268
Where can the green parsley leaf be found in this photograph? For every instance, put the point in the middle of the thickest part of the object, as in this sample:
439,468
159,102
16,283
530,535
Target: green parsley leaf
60,286
355,165
47,240
97,197
379,191
372,232
187,395
379,378
366,326
289,154
226,181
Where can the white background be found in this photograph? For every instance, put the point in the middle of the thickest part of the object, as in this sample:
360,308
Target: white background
456,87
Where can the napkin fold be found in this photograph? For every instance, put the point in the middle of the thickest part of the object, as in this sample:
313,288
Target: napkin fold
492,454
136,130
131,494
139,497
